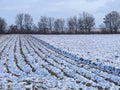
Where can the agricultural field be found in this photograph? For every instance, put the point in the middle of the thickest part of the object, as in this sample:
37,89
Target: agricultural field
98,48
65,62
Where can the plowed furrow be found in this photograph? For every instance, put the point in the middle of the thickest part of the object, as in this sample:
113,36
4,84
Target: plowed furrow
50,63
19,58
23,54
4,44
15,58
74,63
9,64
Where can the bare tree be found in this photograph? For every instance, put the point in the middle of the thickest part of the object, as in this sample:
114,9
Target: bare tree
88,22
59,25
24,22
20,21
80,24
28,22
2,25
72,24
43,24
50,24
112,21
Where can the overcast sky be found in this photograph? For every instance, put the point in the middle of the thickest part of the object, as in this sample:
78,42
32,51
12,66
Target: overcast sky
57,8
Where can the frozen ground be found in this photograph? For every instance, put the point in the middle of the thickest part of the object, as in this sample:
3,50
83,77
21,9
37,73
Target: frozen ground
100,48
29,63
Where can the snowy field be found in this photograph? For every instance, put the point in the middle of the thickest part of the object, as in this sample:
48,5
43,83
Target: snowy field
32,62
98,48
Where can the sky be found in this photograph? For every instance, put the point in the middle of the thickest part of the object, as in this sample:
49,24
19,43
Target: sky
57,8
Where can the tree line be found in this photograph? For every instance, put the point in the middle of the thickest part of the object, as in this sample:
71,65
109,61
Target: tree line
82,24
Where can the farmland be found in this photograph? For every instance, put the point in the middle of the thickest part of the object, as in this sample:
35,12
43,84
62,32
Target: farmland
42,63
98,48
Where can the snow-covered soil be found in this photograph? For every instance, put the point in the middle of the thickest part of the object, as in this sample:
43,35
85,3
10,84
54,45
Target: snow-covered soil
29,63
98,48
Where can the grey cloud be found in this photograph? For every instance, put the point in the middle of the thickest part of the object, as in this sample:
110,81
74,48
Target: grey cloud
91,0
57,8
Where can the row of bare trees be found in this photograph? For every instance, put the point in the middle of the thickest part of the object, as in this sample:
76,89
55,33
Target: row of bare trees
84,23
51,25
24,24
